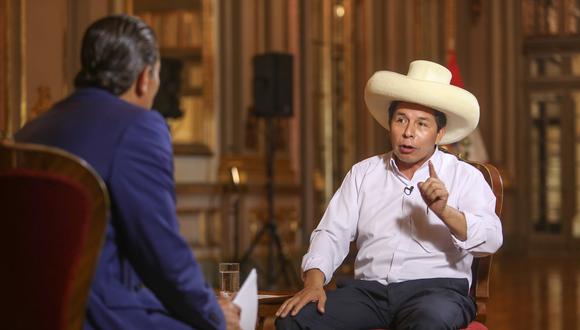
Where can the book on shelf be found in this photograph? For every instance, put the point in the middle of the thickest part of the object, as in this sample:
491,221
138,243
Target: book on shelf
175,28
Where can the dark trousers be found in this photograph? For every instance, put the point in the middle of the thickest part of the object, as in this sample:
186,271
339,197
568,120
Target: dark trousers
440,303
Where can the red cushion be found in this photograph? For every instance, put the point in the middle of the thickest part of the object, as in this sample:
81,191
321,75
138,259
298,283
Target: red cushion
472,326
44,226
476,326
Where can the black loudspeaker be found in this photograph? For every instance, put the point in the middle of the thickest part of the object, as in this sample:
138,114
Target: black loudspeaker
273,85
167,99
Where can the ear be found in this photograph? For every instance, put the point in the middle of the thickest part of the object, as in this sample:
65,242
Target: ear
440,135
142,83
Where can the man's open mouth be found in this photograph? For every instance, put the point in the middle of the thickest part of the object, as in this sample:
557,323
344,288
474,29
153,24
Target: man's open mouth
405,148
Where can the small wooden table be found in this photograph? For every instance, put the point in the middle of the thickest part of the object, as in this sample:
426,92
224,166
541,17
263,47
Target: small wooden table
269,302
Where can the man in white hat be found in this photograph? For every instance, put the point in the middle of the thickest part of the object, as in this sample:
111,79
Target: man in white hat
418,216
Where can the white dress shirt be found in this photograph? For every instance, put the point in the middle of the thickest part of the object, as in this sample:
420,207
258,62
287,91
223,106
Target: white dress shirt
398,238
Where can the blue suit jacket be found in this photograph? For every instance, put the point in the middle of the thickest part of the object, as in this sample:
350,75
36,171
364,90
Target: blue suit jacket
147,277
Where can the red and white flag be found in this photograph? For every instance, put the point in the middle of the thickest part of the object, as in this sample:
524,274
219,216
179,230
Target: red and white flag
472,146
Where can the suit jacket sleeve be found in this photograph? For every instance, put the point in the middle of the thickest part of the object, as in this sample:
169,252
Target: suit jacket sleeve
142,180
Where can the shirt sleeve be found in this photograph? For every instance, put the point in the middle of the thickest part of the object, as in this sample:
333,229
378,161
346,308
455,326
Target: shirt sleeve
484,230
142,183
330,241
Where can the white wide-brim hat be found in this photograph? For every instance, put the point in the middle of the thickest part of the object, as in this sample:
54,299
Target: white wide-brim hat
428,84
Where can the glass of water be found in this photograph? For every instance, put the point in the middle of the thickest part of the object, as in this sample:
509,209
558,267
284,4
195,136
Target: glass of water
229,278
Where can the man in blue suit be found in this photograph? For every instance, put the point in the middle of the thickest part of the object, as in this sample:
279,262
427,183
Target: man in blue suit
147,277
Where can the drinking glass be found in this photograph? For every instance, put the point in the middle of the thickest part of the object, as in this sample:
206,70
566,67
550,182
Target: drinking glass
229,278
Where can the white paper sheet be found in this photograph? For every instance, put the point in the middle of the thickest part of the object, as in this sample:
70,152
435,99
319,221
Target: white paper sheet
247,300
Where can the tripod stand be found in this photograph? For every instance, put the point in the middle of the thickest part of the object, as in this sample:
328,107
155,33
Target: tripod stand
270,228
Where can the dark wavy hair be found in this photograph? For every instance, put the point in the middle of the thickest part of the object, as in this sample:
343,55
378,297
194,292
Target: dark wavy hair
115,49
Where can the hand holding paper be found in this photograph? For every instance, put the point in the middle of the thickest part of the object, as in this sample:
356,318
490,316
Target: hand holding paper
247,300
231,312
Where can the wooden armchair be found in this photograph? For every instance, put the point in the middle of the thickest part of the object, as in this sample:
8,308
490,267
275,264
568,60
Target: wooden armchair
54,216
481,267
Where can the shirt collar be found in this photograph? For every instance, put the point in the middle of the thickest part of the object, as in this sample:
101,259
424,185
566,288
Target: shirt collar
423,170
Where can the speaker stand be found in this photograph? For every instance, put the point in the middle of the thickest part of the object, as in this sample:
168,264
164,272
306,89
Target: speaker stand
275,252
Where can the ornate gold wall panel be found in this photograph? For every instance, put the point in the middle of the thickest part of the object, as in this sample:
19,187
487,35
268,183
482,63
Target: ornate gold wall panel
14,65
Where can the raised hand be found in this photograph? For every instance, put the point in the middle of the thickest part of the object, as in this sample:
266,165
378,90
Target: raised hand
434,192
435,196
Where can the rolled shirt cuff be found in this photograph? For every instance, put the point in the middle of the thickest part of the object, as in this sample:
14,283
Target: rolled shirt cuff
473,239
311,261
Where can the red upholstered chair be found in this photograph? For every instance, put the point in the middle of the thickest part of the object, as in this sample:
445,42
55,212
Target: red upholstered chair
481,267
54,211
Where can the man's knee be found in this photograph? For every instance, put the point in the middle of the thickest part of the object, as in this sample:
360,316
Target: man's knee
432,317
287,323
424,318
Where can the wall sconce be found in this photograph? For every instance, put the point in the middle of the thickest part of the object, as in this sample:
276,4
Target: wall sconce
235,175
339,10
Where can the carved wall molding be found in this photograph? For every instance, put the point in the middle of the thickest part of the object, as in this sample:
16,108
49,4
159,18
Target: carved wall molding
13,80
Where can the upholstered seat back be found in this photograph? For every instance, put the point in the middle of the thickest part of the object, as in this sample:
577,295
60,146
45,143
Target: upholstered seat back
53,216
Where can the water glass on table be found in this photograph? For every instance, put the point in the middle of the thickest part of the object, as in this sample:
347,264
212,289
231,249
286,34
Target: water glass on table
229,278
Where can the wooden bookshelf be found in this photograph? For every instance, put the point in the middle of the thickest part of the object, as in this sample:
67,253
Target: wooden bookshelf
184,33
